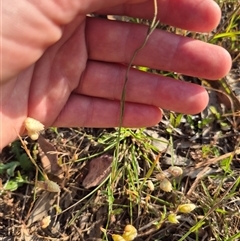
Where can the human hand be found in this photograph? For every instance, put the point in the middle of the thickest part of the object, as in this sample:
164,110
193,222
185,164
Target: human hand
64,69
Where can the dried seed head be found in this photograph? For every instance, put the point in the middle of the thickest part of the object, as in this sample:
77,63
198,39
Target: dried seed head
186,208
33,127
34,136
165,185
173,218
160,176
150,185
175,171
130,233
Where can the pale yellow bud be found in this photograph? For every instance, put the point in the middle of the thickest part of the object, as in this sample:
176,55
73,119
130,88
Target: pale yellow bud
33,135
172,218
160,176
130,233
45,222
150,185
175,171
165,185
186,208
33,127
117,237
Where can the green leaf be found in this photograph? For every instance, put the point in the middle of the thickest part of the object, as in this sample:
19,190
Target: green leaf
215,112
2,168
14,183
11,185
25,162
178,120
117,211
227,35
225,164
9,168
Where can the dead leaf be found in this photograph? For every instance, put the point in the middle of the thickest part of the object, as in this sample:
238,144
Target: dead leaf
49,159
41,207
99,169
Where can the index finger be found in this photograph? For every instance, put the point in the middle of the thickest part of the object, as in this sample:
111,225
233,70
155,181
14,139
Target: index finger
197,15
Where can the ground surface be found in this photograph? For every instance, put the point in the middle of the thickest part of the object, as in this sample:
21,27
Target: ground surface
85,198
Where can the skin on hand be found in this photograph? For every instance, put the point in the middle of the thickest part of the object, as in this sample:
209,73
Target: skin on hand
64,69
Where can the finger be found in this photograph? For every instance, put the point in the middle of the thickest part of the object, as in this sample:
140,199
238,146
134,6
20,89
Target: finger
197,15
21,49
96,112
107,80
96,5
163,50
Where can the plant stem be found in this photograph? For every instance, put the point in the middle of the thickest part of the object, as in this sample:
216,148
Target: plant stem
150,30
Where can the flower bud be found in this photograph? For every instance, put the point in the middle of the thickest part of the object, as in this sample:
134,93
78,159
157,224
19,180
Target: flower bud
172,218
160,176
175,171
33,127
150,185
130,233
186,208
117,237
165,185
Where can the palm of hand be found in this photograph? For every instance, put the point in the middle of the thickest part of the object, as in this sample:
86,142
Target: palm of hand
77,81
44,88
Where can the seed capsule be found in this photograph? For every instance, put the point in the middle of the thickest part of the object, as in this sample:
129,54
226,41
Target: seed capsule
186,208
160,176
130,233
33,127
175,171
150,185
165,185
117,237
34,136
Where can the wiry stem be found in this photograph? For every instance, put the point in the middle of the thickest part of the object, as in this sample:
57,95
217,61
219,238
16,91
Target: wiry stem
151,28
